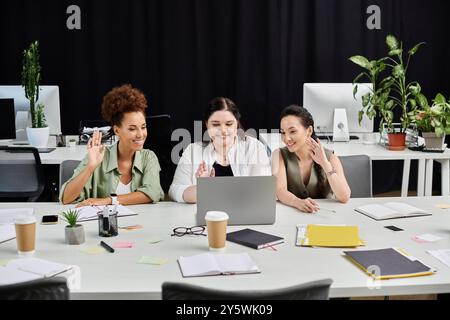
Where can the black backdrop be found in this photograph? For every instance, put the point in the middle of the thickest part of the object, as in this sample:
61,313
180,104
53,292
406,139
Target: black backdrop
182,53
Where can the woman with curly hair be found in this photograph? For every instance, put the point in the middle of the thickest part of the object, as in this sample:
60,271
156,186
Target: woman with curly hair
123,173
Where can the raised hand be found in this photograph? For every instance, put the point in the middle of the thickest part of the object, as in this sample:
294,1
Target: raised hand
96,150
317,151
203,171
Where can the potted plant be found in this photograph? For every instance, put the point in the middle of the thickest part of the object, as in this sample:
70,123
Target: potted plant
391,92
39,132
74,232
434,122
72,143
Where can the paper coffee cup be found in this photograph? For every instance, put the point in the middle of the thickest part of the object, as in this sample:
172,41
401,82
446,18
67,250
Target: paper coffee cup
25,234
216,224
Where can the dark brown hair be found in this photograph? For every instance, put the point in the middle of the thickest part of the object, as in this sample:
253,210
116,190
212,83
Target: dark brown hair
222,104
306,120
121,100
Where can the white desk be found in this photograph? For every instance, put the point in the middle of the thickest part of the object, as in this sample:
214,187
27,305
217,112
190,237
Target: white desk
378,152
118,275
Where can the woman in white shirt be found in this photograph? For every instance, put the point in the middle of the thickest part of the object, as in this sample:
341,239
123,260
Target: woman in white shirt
229,153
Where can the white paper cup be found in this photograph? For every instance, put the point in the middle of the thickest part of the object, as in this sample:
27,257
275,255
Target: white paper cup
216,223
25,234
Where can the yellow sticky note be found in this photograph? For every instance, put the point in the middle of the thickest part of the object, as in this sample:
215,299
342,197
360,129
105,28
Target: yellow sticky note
4,262
94,250
152,260
153,240
443,206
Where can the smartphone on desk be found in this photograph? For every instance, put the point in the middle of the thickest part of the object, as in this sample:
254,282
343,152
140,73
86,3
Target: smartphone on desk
50,219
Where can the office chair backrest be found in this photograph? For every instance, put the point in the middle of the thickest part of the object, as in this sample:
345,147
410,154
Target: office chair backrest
66,170
317,290
358,171
21,173
159,140
42,289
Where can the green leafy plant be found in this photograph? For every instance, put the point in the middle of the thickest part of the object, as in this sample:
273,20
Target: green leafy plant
390,92
435,118
31,77
71,217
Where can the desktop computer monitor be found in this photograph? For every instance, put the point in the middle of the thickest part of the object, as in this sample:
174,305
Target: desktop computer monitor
48,95
322,99
7,119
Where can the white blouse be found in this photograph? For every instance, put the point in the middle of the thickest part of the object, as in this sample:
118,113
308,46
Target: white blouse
247,157
123,189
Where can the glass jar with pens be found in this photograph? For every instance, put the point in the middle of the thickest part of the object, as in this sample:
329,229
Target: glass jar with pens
107,222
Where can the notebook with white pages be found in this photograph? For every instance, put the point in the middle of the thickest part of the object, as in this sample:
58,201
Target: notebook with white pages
89,213
7,232
391,210
207,264
27,269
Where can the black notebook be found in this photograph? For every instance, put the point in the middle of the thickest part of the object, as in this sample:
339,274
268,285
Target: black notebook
388,263
254,239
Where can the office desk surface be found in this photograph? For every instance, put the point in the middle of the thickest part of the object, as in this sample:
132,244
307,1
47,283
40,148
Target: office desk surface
118,275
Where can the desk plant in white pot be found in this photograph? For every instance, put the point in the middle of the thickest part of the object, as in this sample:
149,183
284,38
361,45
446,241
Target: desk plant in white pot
434,122
74,232
39,132
391,92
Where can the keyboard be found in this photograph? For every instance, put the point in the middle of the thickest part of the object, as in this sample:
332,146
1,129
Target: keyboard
330,137
41,150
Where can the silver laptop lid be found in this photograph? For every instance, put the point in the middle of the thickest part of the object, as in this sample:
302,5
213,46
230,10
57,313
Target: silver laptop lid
247,200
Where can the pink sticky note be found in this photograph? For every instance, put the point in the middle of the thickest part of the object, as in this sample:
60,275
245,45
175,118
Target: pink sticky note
123,245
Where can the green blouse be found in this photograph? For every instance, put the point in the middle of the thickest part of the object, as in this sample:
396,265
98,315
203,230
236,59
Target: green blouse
105,179
294,178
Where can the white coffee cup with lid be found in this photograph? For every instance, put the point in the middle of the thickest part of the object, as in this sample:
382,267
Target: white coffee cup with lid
216,223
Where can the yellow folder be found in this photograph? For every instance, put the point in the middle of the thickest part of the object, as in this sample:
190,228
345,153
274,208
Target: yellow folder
332,236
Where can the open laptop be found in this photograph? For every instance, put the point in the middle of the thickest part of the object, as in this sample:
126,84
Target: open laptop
247,200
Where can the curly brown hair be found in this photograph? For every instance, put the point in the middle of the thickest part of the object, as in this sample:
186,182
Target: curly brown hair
121,100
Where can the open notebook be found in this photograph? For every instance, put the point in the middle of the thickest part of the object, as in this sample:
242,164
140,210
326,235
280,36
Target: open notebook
27,269
207,264
89,213
391,210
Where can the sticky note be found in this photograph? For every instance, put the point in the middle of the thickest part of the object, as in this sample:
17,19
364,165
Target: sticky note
443,206
152,260
426,238
123,245
4,262
94,250
153,240
131,228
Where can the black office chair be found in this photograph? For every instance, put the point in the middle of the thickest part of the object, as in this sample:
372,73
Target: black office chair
159,140
21,173
41,289
316,290
358,171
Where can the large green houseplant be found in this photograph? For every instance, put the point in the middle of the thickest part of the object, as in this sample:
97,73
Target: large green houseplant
39,132
434,121
390,90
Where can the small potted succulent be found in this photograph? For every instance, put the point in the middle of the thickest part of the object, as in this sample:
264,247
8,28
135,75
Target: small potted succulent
72,143
434,122
74,232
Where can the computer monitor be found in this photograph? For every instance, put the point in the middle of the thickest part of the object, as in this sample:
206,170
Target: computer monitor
322,99
7,119
48,95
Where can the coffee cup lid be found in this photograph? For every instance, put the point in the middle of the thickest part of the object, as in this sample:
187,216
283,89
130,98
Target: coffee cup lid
25,219
216,216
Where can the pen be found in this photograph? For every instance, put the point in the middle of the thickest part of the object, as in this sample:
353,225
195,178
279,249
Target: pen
108,248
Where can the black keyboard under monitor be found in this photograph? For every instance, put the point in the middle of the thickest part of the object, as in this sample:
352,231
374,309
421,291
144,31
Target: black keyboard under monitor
330,137
40,150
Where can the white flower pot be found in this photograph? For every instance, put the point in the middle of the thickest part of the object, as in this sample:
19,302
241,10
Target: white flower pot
433,141
38,137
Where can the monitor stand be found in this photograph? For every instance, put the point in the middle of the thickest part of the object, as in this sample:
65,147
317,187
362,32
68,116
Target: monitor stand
340,126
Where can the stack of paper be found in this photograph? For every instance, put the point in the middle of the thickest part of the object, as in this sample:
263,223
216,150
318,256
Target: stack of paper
442,255
334,236
7,232
21,270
